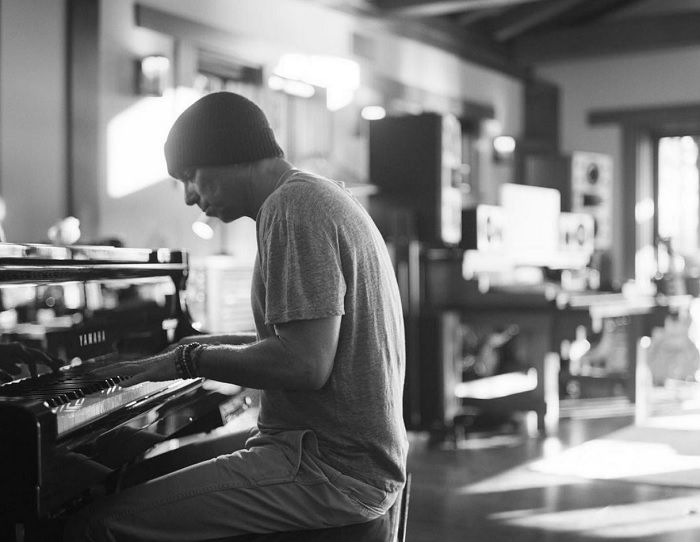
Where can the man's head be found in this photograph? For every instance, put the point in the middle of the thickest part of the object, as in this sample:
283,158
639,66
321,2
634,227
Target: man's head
220,129
216,147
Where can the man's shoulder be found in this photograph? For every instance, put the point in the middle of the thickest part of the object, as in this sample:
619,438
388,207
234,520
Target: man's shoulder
311,183
307,190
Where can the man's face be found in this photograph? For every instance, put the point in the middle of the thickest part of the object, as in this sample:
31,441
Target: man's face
220,191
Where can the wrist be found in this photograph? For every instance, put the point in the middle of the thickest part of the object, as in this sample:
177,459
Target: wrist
187,360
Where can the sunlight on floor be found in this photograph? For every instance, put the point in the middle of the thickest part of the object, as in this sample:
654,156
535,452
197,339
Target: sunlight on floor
619,521
611,459
518,479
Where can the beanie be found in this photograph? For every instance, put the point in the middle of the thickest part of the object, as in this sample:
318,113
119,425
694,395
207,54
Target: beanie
219,129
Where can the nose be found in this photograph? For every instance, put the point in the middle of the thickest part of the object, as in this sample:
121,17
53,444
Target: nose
191,196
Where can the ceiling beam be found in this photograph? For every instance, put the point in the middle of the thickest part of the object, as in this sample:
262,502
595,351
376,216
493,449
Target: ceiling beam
466,45
594,11
474,16
526,18
434,8
640,34
470,46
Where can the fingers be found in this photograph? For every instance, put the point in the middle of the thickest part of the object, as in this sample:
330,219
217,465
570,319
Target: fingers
154,368
117,369
136,379
14,355
146,373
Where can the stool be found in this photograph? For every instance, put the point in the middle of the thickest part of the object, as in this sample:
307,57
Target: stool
391,527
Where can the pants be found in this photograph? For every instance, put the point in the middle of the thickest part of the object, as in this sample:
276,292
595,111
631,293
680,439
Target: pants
277,483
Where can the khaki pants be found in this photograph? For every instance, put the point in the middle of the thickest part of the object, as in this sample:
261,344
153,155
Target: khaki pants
277,483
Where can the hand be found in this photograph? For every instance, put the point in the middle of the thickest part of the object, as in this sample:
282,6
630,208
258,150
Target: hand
15,354
151,369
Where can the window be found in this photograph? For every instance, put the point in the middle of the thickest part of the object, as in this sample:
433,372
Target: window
678,193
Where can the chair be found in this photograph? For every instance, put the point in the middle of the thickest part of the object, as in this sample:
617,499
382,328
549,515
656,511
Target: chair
391,527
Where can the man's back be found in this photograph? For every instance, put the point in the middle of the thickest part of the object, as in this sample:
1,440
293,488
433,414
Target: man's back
321,255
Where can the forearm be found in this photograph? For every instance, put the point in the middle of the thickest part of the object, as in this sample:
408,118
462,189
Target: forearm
221,338
299,357
266,364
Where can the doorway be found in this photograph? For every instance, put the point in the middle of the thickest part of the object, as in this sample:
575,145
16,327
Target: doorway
677,220
678,199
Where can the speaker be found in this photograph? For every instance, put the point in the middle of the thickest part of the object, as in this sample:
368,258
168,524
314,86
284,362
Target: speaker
591,192
576,232
415,161
482,228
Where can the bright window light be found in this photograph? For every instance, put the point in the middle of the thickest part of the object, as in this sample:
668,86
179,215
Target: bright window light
291,86
339,76
320,70
644,210
135,139
275,82
155,66
338,97
299,88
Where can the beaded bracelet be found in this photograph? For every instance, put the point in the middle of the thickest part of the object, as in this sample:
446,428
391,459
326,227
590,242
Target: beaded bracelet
180,369
187,360
194,359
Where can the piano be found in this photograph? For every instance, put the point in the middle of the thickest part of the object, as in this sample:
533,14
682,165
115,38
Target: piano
63,432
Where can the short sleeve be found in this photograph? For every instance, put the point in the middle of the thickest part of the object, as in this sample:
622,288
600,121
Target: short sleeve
300,266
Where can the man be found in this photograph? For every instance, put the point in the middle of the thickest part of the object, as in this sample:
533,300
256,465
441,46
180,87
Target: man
330,447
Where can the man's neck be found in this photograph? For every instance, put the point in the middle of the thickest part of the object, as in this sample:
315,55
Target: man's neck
267,176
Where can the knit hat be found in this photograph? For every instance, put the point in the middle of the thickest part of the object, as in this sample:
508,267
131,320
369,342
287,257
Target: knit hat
219,129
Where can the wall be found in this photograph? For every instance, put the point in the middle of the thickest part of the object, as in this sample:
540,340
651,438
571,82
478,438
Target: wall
626,81
32,116
33,97
259,32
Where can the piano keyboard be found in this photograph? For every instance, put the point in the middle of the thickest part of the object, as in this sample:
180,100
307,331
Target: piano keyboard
77,399
86,409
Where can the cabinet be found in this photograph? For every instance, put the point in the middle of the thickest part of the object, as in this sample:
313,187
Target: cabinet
532,373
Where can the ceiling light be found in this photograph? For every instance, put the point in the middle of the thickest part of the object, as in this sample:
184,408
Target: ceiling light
373,112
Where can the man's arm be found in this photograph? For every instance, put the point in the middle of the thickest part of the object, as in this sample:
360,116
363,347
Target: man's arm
299,357
220,338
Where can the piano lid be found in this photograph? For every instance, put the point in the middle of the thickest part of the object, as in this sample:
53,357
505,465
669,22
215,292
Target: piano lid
65,255
34,263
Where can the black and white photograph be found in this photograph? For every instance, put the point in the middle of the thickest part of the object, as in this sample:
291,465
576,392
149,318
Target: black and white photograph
349,270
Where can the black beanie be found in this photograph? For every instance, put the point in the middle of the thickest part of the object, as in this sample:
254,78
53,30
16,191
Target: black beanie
219,129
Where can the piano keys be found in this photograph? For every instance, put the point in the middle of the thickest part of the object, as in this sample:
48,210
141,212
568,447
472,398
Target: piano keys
64,432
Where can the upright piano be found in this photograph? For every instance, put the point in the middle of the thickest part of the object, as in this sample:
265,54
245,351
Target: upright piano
64,432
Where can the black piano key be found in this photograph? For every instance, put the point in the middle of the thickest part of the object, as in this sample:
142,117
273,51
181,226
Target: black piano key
57,390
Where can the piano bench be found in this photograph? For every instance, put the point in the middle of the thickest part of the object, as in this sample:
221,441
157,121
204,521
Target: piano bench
391,527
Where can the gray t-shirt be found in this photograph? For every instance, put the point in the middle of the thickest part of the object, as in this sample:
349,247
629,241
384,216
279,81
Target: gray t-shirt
320,255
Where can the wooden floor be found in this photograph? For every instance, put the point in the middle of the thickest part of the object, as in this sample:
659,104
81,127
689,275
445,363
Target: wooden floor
482,491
